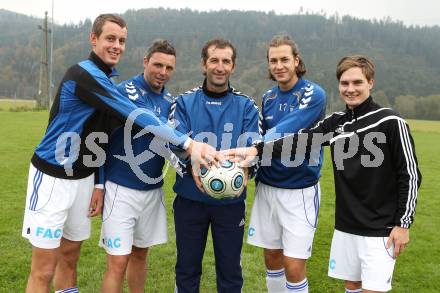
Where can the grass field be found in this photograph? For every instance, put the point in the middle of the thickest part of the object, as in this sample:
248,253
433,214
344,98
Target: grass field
417,270
13,104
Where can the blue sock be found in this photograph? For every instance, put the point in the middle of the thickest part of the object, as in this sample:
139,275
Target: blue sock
68,290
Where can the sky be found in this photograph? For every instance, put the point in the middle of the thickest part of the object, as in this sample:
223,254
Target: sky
411,12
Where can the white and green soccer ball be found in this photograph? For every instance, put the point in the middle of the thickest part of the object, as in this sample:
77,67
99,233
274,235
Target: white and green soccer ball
226,181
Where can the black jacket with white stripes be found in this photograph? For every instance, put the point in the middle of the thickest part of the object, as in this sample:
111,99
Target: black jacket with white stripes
374,163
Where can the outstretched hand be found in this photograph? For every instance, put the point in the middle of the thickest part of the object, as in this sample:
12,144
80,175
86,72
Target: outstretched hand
245,157
204,155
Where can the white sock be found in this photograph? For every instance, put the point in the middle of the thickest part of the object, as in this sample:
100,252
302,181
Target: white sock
275,281
68,290
302,286
353,291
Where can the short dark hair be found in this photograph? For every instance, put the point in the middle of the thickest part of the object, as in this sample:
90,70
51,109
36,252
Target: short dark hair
160,46
218,43
103,18
363,62
284,39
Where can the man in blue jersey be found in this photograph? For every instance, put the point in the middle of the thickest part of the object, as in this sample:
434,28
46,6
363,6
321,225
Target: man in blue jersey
224,118
285,210
59,198
134,214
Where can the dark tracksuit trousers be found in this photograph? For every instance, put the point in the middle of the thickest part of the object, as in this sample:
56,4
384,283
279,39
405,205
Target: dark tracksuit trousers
192,220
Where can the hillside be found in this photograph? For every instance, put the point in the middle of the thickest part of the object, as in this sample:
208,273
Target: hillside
407,58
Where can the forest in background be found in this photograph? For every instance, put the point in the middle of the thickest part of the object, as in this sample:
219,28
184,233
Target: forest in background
407,58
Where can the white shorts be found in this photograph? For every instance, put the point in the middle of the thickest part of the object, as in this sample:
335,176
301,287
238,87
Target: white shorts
56,208
285,219
132,218
361,258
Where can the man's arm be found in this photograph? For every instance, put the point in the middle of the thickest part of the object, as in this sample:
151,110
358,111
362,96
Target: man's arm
96,89
408,174
409,180
316,137
286,146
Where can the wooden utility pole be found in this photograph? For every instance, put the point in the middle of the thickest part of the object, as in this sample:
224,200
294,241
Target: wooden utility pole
44,82
51,59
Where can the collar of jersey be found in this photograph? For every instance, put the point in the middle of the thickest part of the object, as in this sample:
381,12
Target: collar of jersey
109,71
296,87
362,108
215,95
146,86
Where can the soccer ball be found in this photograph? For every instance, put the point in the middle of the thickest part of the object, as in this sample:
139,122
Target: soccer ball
226,181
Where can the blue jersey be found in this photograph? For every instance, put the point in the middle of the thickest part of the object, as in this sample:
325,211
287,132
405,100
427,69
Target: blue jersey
224,121
120,172
288,112
86,102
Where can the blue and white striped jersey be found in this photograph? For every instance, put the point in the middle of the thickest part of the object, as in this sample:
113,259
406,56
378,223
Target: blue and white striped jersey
287,112
86,102
120,172
224,121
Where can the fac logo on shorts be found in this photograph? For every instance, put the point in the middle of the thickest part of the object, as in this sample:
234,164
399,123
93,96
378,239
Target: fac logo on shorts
251,231
332,264
48,233
112,242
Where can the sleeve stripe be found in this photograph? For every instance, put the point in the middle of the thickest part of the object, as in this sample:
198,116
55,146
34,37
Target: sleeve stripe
406,219
171,113
413,168
260,120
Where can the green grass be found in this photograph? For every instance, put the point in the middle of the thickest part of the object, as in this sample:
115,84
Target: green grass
424,126
16,104
417,270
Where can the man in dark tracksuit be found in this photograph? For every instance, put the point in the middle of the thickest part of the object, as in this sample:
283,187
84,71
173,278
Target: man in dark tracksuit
59,196
376,179
220,114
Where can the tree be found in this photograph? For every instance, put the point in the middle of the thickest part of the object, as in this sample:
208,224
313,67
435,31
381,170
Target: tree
406,106
381,98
